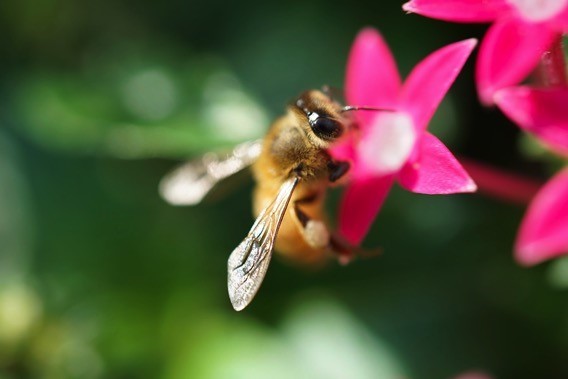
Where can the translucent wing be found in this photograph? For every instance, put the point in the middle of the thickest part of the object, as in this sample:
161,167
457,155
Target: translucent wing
249,261
189,183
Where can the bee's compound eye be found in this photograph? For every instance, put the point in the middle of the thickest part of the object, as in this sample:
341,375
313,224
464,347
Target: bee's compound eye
326,128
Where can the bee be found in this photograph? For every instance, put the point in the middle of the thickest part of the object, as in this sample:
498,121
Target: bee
293,170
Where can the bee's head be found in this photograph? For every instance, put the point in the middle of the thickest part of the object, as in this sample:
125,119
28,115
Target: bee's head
324,118
322,114
324,126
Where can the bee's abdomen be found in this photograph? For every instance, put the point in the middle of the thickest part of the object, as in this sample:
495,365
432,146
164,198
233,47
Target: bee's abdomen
290,242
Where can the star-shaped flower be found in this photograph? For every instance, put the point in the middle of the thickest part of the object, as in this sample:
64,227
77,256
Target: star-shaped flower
521,31
395,146
543,113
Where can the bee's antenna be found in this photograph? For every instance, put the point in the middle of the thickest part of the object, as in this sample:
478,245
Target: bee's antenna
349,108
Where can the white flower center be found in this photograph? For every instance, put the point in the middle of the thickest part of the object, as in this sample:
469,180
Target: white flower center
539,10
388,144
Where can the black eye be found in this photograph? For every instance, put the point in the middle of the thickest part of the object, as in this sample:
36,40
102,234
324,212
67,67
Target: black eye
326,128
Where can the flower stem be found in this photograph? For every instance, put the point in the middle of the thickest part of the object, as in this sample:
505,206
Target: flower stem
552,68
500,184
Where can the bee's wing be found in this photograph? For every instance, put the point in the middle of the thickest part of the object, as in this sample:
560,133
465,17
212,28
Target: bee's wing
248,262
189,183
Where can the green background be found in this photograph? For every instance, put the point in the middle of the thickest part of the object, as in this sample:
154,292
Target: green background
100,278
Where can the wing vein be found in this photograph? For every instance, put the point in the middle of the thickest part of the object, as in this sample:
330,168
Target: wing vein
248,263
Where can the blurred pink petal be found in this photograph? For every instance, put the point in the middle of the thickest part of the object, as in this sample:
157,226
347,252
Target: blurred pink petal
429,81
435,170
560,21
544,230
361,202
458,10
543,112
538,11
372,77
344,150
510,50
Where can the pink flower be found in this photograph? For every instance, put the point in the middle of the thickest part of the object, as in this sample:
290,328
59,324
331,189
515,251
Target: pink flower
544,229
395,145
544,113
522,31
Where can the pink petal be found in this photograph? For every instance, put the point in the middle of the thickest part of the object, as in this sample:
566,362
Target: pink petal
544,230
435,170
458,10
430,80
344,149
540,10
372,78
560,21
360,205
543,112
510,50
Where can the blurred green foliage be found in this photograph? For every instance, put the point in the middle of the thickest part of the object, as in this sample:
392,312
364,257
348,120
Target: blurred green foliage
99,278
136,109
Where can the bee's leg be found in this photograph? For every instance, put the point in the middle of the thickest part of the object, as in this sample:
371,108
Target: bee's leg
337,169
346,252
341,249
315,232
317,235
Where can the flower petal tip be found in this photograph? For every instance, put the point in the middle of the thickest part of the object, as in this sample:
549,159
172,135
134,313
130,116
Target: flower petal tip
526,255
467,45
471,42
470,187
486,95
530,254
409,7
368,33
500,96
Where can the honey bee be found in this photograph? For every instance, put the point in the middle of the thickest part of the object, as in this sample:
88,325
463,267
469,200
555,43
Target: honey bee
293,169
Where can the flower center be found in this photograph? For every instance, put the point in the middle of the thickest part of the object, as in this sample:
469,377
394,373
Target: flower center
389,142
538,10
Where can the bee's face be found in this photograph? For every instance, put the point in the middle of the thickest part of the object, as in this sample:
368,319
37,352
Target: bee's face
323,116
